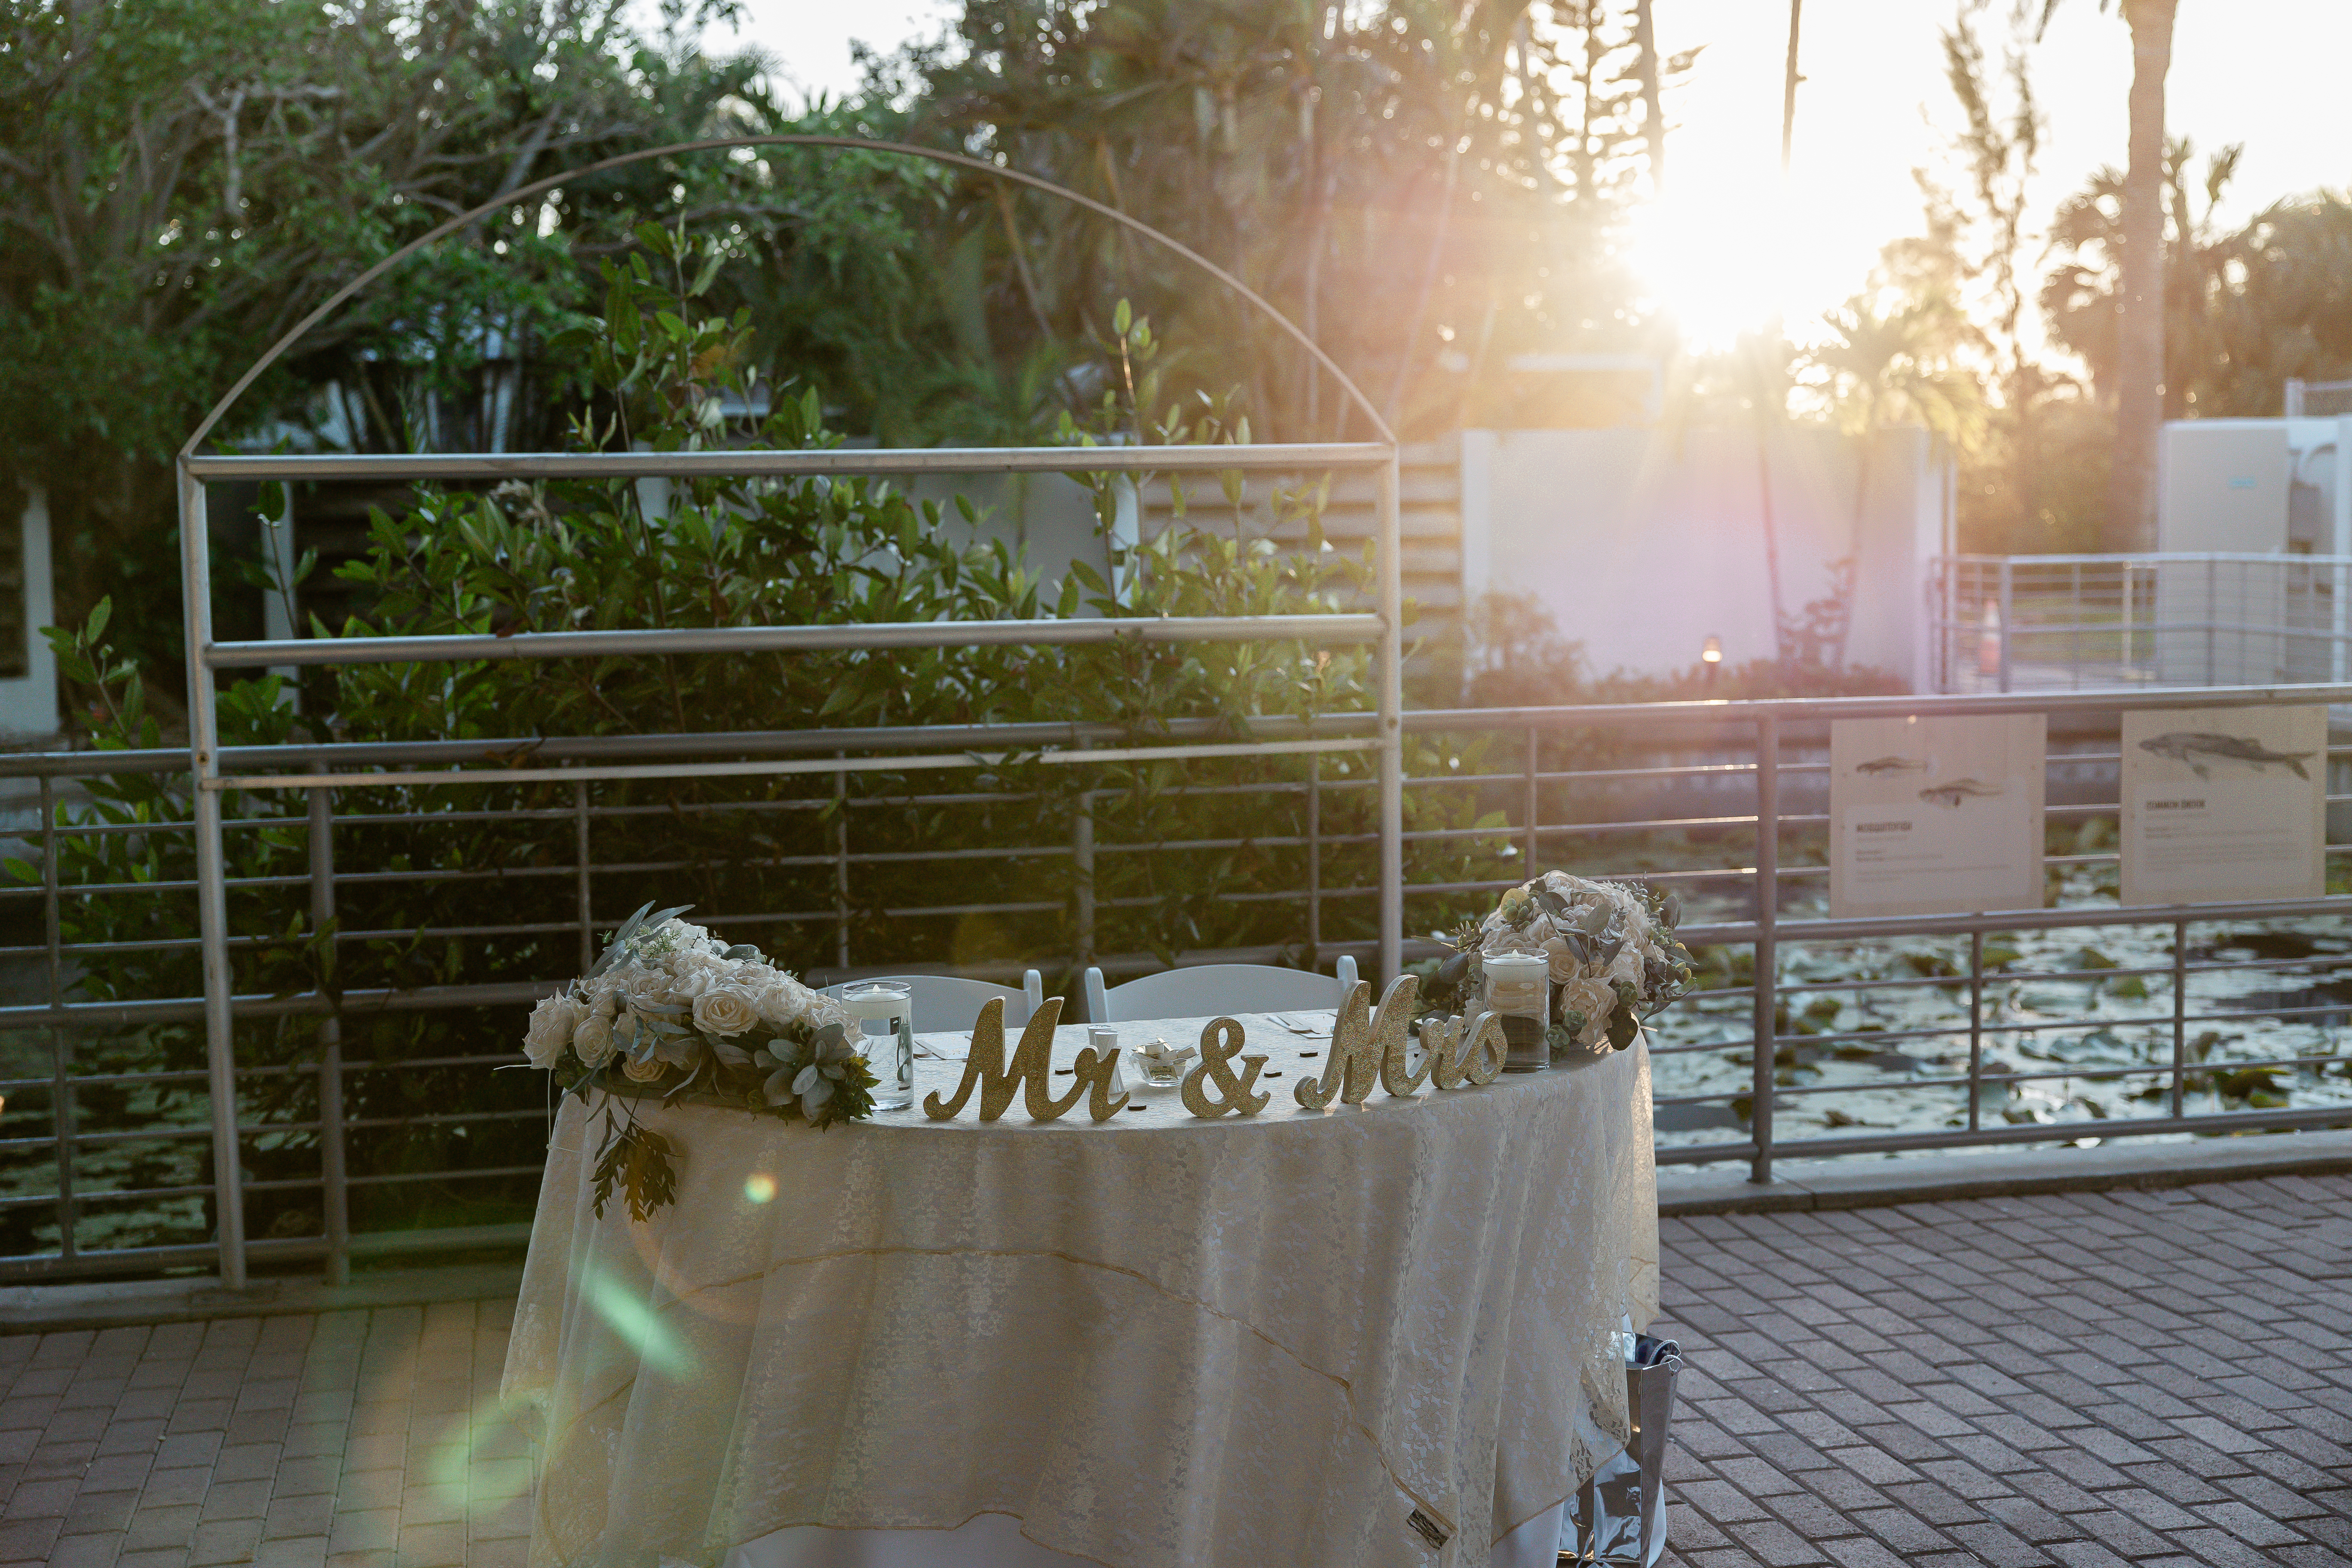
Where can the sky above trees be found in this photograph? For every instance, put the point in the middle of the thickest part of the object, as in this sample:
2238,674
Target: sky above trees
1873,107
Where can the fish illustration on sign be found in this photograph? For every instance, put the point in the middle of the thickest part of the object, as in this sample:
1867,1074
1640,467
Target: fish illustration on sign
1951,793
1879,766
2198,748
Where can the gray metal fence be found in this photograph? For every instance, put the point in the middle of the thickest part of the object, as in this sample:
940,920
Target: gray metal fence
1946,1020
2029,622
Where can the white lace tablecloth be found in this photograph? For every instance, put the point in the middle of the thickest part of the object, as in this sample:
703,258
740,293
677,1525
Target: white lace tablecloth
1158,1343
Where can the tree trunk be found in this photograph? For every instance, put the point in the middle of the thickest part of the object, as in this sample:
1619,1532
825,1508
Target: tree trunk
1789,88
1654,120
2139,323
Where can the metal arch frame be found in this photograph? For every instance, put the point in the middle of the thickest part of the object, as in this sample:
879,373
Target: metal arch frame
1385,627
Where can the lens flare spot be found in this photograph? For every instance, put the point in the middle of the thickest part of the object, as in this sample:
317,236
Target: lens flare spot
761,1187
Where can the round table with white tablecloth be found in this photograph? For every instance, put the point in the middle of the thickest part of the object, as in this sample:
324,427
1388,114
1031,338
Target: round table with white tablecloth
1157,1342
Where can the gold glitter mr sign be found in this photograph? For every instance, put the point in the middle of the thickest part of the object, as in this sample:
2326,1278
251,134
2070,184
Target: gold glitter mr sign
1029,1071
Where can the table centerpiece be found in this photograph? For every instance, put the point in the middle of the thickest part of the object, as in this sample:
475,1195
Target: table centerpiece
1610,948
670,1010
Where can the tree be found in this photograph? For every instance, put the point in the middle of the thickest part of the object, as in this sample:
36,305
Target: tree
2139,305
1453,174
1892,355
1978,243
2200,258
2246,306
180,181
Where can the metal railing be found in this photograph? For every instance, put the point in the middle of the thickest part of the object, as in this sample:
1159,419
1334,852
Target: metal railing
1725,802
211,780
2026,623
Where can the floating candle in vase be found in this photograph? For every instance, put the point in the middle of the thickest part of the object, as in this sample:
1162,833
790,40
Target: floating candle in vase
1518,992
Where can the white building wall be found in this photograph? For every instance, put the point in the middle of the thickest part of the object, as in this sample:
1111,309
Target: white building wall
1644,543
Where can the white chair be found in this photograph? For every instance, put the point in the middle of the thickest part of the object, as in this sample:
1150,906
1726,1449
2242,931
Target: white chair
1209,989
952,1002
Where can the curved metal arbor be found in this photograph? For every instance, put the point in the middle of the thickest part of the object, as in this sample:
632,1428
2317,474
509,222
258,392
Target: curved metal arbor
205,655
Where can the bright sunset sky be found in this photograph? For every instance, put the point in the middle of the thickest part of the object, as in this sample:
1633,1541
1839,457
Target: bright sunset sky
1873,107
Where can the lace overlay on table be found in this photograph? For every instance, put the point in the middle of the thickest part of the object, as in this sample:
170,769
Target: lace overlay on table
1228,1344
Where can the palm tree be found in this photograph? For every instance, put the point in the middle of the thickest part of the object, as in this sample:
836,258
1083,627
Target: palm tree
1645,68
2139,325
1883,364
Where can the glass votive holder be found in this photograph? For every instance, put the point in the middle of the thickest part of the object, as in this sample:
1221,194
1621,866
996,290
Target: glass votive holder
1518,992
1162,1064
885,1012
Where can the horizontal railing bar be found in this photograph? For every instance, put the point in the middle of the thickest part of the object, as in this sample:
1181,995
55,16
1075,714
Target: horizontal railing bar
2017,919
770,463
2096,1070
414,778
2043,1132
2049,1025
1745,712
2144,561
1727,713
642,642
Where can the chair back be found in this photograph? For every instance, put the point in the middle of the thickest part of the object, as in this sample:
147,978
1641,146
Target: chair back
953,1002
1206,990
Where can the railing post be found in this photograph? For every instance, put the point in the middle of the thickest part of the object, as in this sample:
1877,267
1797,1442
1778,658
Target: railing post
2212,613
212,882
1768,902
585,911
334,1181
1314,854
1975,1025
2180,1015
1391,722
1533,802
1082,862
2008,616
61,1092
2124,651
2074,617
841,870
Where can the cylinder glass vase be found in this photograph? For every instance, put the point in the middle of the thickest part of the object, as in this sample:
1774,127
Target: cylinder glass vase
1518,992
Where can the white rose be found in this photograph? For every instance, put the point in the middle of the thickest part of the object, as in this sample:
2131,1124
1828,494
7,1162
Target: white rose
551,1022
644,1072
782,1000
1596,1002
724,1010
592,1042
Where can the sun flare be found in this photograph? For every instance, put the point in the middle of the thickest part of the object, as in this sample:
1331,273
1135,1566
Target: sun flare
1726,259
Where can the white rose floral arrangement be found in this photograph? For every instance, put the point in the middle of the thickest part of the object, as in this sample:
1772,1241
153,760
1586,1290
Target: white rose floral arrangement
670,1009
1615,960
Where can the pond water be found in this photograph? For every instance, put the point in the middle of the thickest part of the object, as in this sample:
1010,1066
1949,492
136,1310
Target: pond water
2081,1018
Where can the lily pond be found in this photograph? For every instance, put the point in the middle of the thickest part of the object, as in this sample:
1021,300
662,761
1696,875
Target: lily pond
2078,1027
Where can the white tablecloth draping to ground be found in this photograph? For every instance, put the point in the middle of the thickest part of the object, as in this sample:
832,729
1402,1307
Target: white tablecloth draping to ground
1158,1343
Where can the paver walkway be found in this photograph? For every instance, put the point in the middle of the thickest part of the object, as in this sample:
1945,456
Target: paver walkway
2084,1379
2077,1380
351,1437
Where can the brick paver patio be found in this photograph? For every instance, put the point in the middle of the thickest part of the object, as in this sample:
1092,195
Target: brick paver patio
351,1437
2079,1381
2086,1379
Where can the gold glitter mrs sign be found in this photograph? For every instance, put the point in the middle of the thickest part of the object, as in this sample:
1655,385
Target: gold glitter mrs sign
1366,1049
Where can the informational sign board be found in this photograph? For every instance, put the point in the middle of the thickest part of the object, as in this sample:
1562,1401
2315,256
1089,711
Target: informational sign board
2224,805
1935,816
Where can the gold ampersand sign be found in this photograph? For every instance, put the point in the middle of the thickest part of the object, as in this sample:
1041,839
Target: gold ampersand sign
1220,1041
